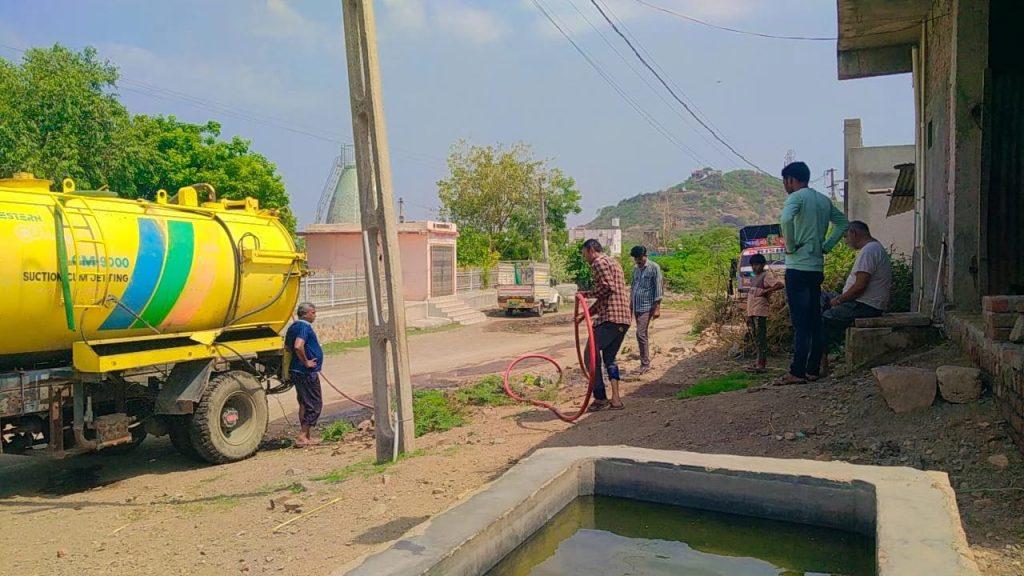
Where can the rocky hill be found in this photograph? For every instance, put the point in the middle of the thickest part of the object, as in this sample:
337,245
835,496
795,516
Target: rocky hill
708,198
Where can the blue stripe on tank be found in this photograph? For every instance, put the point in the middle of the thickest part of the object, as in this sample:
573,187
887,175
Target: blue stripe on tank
148,263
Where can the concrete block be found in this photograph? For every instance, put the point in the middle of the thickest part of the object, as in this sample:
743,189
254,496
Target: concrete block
959,384
894,321
866,347
1000,319
905,388
912,514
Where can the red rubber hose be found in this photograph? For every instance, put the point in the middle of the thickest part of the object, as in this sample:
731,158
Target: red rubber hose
581,304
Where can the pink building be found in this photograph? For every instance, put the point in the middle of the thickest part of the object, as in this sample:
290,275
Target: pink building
427,250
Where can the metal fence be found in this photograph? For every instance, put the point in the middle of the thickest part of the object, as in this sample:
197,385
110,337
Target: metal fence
341,289
475,279
332,289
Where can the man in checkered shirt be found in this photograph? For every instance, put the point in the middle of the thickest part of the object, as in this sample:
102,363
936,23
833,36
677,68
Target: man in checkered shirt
611,316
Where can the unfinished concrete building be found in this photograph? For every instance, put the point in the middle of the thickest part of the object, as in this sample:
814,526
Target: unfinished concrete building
968,185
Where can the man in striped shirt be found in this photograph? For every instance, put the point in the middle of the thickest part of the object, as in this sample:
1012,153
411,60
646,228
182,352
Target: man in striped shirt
645,302
611,317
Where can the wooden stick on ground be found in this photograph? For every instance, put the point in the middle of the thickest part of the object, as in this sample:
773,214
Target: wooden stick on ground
300,516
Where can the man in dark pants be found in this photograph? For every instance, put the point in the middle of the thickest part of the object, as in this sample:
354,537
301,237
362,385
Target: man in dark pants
646,295
806,215
866,293
304,370
611,316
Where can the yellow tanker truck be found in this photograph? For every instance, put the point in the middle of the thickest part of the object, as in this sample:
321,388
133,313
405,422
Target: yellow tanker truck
126,318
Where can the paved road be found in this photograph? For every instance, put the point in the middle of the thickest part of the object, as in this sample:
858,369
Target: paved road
438,358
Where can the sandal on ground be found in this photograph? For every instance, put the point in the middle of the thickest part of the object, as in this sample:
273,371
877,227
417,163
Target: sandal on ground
614,407
789,379
756,370
597,405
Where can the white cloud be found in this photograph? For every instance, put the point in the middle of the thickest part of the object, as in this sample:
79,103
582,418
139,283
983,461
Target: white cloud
241,87
469,23
406,14
280,20
455,19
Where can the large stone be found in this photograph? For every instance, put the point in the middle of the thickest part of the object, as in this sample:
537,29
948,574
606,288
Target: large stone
959,384
906,389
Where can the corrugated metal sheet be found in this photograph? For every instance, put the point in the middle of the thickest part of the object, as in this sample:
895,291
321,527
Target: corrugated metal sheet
902,198
1005,172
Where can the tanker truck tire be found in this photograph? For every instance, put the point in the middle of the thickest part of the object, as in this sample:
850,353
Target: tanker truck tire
230,419
177,430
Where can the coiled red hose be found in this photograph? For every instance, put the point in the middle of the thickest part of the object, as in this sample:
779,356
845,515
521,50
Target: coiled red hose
581,304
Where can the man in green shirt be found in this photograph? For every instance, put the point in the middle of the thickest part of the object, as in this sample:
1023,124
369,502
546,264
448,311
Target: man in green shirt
805,221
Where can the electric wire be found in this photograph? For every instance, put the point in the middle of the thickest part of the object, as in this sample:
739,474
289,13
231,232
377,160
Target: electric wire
686,119
728,29
696,20
674,94
713,144
615,86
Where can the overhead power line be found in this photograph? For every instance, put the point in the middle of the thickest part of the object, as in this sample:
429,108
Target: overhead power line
657,92
658,127
650,58
675,95
733,30
696,20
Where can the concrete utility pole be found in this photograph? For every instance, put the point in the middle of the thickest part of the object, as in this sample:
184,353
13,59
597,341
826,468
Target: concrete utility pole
543,217
389,355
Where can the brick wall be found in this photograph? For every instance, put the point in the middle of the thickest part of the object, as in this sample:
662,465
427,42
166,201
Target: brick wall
1003,362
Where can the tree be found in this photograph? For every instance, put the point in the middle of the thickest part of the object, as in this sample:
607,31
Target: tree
60,117
185,153
493,192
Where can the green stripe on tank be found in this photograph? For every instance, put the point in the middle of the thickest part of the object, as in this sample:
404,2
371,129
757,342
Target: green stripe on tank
177,266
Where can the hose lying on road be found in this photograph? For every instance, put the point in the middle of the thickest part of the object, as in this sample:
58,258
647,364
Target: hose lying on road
581,304
346,396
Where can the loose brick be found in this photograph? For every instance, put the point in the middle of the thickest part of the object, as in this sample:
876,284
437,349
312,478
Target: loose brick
1002,303
1000,319
997,334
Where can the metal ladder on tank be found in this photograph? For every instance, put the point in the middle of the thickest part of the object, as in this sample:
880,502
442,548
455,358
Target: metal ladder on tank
101,287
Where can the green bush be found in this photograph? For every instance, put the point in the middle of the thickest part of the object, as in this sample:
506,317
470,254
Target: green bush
337,430
436,411
576,268
699,262
488,391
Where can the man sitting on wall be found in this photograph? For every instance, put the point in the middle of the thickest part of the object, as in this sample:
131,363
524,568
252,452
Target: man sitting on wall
867,290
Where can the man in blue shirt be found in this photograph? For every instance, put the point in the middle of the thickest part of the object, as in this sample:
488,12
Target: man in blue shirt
806,216
304,370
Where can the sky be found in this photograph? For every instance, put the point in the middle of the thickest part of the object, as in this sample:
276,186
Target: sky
488,72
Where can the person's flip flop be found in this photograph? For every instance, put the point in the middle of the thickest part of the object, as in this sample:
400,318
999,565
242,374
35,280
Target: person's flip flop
597,406
614,407
789,379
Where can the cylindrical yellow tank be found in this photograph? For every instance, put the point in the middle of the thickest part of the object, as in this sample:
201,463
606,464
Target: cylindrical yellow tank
135,268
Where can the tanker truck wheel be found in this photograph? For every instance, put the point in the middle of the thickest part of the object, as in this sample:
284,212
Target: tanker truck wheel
177,430
230,419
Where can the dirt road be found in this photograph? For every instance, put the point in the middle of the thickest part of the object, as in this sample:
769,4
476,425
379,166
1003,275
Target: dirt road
158,513
443,358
